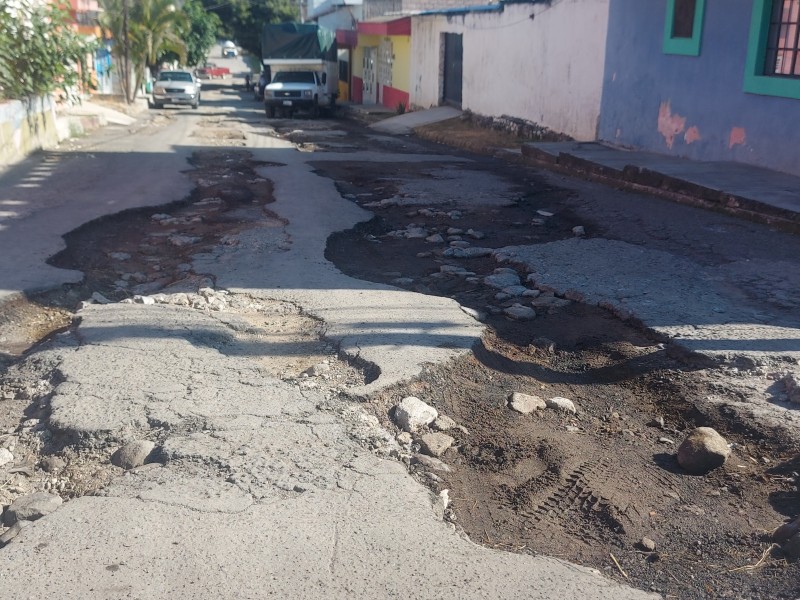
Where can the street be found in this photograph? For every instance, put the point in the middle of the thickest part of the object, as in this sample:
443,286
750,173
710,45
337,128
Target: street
248,300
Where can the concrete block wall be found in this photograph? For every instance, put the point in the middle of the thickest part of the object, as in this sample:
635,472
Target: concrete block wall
26,127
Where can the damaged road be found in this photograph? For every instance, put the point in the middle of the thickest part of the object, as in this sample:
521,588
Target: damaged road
247,342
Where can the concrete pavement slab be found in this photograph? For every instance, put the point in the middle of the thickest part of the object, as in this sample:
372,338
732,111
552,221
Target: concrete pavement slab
405,123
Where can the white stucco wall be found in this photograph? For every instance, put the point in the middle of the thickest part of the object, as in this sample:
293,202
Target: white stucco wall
548,69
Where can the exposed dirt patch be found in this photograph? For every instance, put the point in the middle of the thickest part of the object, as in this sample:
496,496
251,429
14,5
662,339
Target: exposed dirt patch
586,487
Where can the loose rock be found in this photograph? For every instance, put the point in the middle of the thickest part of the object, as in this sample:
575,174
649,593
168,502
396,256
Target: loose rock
133,454
431,463
703,450
31,507
404,438
526,403
647,544
520,312
501,280
435,444
412,413
5,456
443,423
53,464
12,532
561,403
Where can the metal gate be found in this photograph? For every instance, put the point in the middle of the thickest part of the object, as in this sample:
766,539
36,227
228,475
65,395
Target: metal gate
370,89
453,68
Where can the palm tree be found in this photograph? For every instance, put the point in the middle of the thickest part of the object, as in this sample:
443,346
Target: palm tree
154,28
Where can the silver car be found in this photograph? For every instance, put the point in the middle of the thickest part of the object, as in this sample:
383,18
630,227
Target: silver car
176,87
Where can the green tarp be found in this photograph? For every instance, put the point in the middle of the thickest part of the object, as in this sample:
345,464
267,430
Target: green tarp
298,40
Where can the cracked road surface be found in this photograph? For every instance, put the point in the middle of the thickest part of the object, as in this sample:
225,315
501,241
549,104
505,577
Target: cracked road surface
265,487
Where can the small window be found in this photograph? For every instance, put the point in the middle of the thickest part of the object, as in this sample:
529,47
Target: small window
783,42
683,27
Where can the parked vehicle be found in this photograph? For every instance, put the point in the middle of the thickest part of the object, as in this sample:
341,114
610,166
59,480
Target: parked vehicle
263,79
229,50
211,71
302,60
176,87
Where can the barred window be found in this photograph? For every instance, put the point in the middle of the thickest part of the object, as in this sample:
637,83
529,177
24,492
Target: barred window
783,43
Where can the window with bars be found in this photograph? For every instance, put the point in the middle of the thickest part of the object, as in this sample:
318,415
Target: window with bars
783,43
773,49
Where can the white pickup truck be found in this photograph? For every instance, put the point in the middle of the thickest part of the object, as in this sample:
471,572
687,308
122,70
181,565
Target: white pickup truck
312,90
302,60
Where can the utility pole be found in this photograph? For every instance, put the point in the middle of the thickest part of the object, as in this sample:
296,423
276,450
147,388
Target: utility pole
126,54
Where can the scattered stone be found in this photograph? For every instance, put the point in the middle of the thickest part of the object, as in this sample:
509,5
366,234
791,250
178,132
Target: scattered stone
444,498
455,231
424,254
412,413
528,293
416,233
792,385
544,213
502,280
317,370
544,344
435,444
646,544
133,454
502,296
404,438
578,230
443,423
520,313
53,464
791,549
657,422
475,235
537,222
12,532
143,300
561,403
460,244
467,252
436,238
572,429
31,507
100,299
703,450
665,440
119,255
526,403
515,290
5,456
785,531
431,463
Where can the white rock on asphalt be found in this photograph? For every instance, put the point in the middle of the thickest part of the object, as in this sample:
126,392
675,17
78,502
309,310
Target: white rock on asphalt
31,507
561,403
435,444
412,413
520,312
133,454
5,456
791,384
703,450
526,403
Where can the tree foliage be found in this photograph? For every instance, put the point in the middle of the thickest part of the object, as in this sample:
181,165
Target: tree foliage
39,52
243,19
154,29
203,30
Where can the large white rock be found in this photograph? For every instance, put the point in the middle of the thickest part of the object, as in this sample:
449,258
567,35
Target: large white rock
520,312
703,450
525,403
435,444
412,413
5,456
561,403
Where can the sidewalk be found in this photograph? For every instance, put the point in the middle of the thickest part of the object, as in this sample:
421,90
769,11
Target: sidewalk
739,189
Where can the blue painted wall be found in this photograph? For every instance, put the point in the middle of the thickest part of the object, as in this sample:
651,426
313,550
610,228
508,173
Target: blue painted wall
644,88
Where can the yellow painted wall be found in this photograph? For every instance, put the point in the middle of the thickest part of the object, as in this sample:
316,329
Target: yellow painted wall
358,53
401,68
